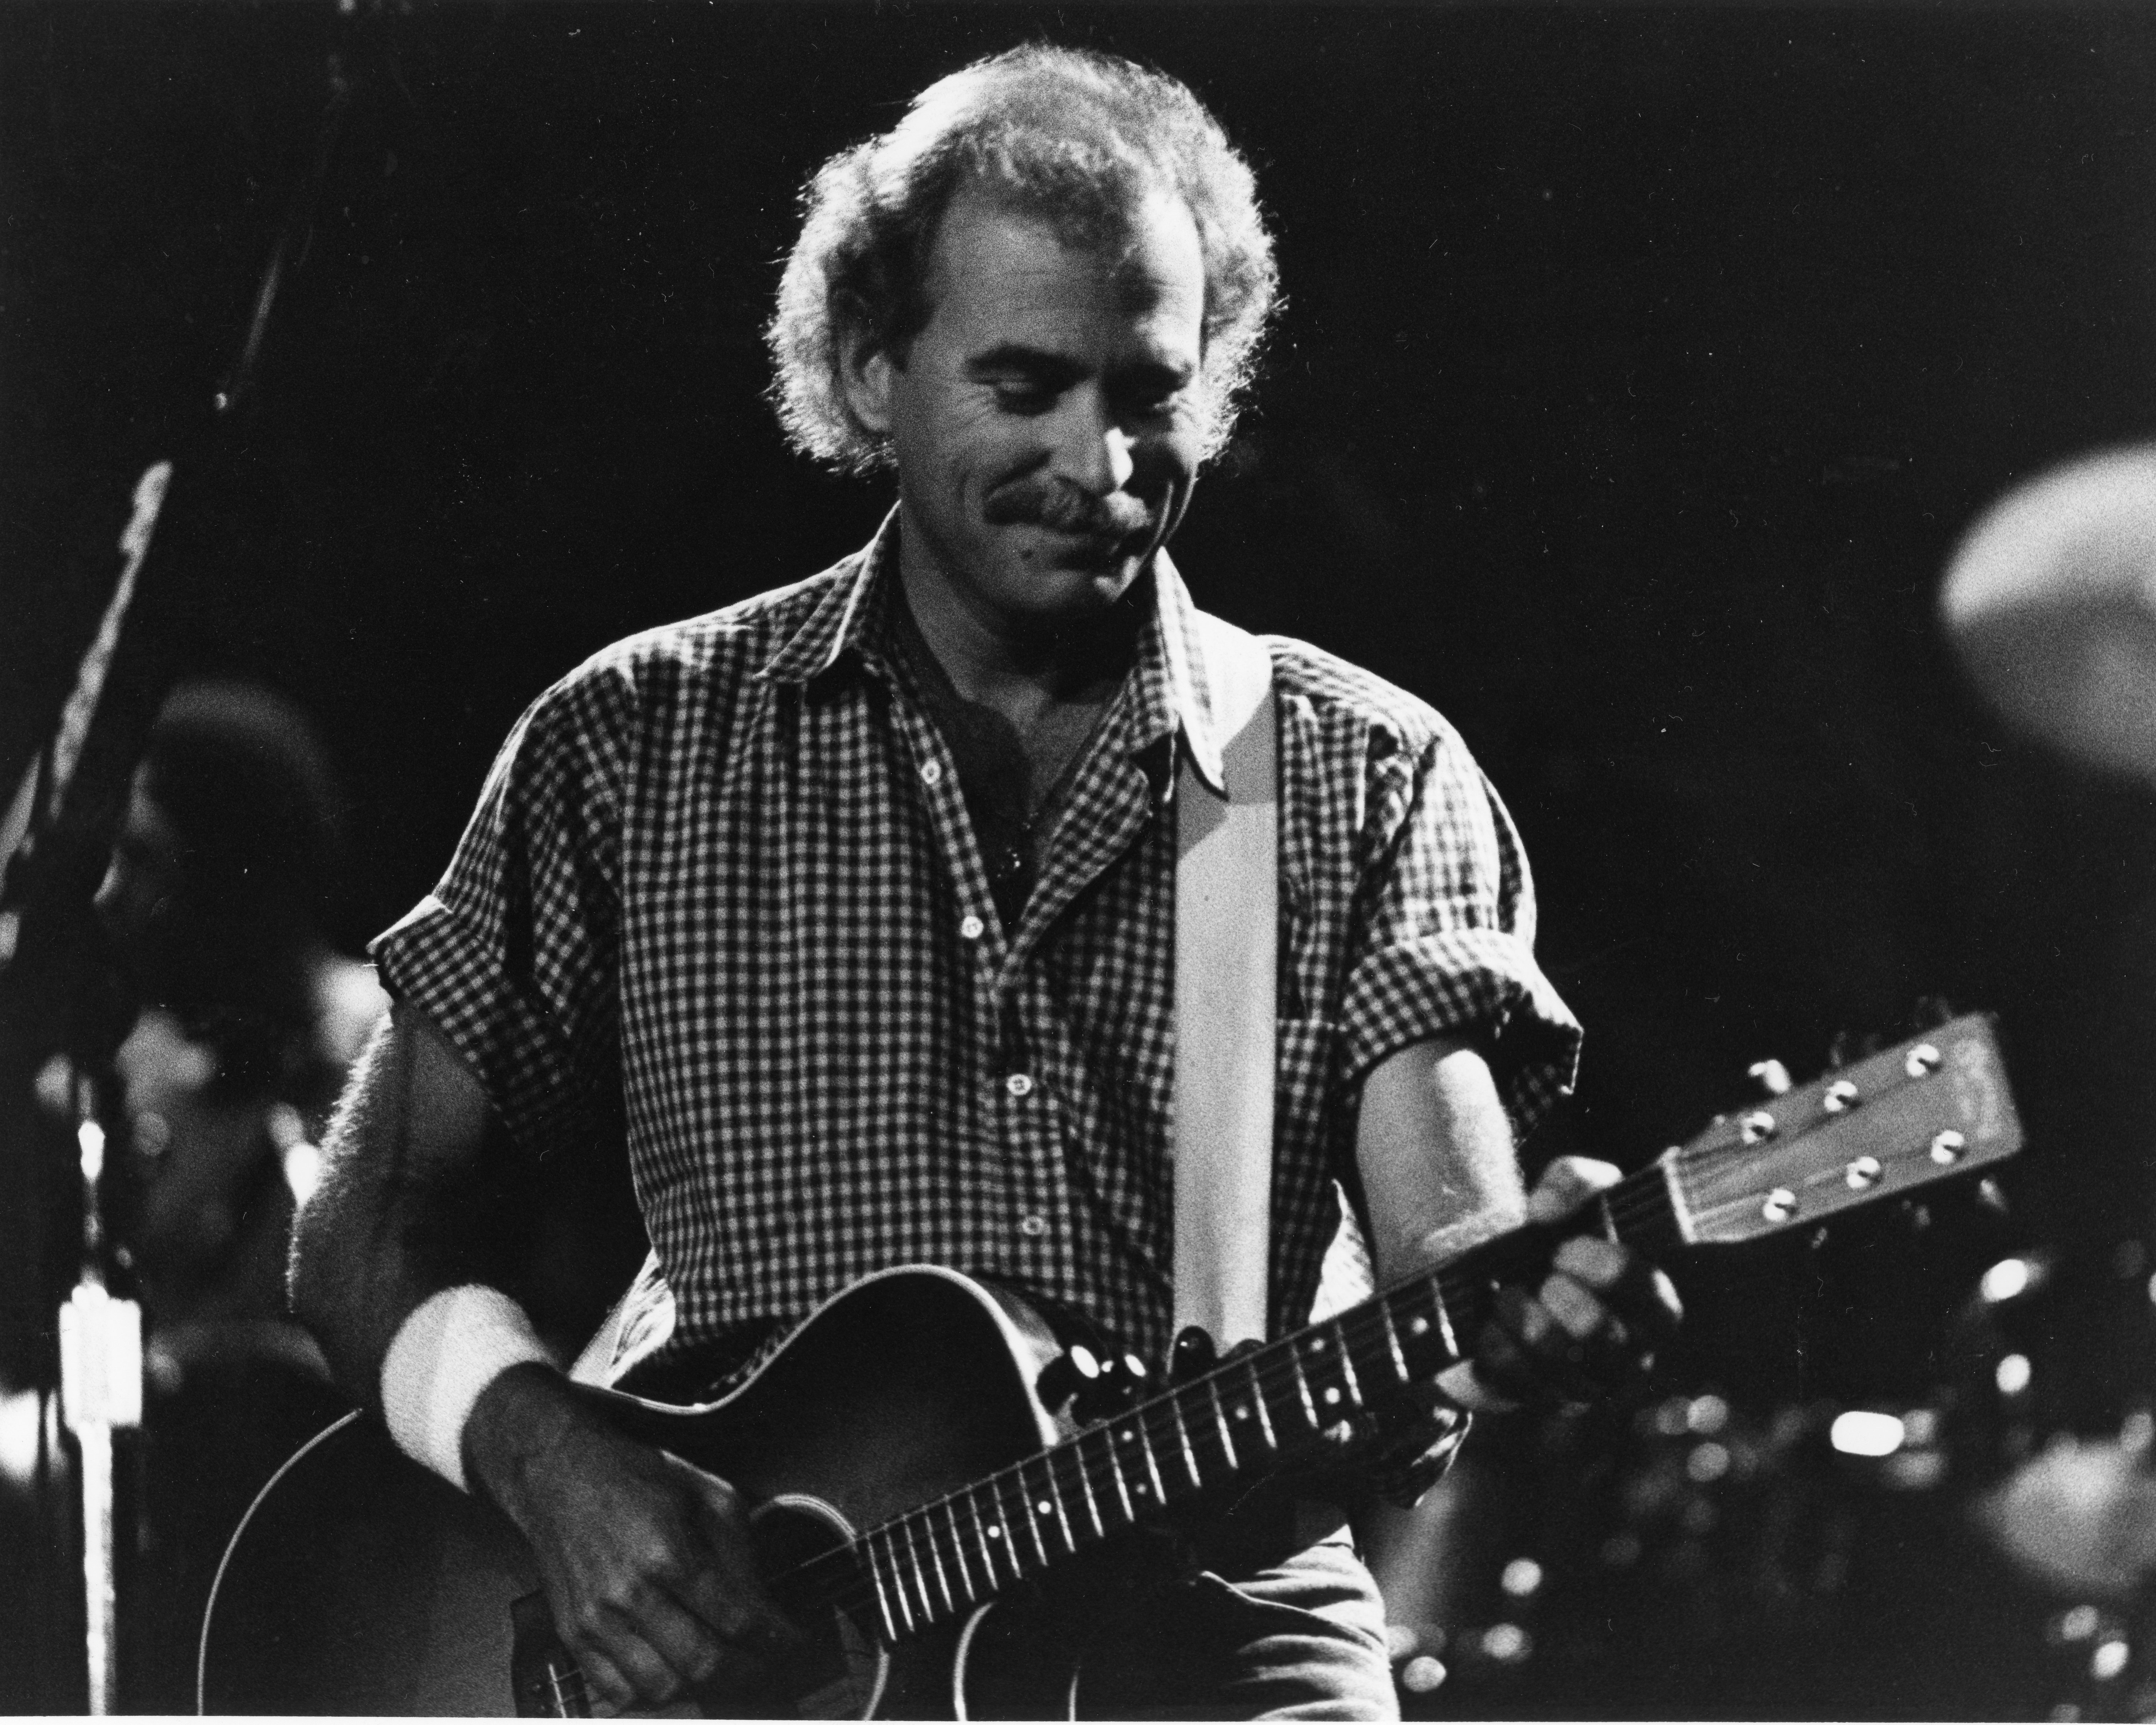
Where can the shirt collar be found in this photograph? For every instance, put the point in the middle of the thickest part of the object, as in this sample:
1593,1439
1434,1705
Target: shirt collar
1172,687
1171,650
844,618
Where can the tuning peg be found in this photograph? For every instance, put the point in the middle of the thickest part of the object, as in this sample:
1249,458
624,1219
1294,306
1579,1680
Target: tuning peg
1114,1390
1772,1076
1193,1355
1069,1374
1918,1216
1818,1239
1991,1198
1930,1012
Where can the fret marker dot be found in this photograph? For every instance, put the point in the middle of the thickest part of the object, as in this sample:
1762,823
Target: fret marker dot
995,1532
1421,1327
1317,1344
1045,1507
1242,1412
1332,1397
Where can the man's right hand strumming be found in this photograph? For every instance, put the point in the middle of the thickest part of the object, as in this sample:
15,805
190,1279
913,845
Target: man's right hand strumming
645,1559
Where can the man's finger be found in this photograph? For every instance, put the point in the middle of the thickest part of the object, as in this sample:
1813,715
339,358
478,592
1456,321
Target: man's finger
1566,1184
728,1592
689,1647
1626,1283
1525,1353
1578,1313
610,1691
647,1678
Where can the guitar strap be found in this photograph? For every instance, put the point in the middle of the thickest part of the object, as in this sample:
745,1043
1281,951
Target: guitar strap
1227,899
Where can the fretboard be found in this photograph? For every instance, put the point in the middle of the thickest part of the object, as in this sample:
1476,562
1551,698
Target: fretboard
1260,1407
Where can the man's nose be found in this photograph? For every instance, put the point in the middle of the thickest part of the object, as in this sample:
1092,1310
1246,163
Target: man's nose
1092,450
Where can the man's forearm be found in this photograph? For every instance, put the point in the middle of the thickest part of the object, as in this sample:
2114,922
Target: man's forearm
1434,1149
377,1237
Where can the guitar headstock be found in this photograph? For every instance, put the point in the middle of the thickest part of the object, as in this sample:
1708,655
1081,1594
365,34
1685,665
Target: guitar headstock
1926,1109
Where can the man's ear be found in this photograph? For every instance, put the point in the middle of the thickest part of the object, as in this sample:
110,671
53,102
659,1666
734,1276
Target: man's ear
865,371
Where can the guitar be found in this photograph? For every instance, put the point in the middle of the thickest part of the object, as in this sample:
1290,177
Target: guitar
921,1509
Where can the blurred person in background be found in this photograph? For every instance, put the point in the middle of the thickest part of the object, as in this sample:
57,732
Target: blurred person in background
250,1019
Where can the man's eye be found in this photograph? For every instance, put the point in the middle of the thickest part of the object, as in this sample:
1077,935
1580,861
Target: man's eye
1153,400
1019,396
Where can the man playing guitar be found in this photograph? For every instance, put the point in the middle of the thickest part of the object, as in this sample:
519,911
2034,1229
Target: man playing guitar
850,909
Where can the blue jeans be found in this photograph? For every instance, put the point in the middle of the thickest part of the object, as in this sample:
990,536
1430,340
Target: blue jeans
1303,1639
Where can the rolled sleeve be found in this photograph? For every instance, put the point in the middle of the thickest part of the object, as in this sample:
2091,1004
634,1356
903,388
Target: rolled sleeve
512,956
1448,945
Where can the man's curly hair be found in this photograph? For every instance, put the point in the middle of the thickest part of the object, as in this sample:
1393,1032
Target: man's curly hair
1080,138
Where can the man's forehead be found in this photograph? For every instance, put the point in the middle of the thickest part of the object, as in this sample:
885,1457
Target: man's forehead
995,259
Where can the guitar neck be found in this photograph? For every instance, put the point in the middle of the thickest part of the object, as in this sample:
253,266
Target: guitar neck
1926,1109
1264,1405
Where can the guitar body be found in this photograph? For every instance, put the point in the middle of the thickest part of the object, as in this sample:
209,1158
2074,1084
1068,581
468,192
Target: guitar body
360,1583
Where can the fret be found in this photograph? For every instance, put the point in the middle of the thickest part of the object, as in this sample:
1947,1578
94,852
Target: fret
1420,1327
1258,1400
1085,1484
1152,1461
1183,1436
1347,1365
1122,1486
1220,1417
571,1699
1002,1531
882,1598
1302,1386
936,1559
981,1537
1393,1340
898,1581
1054,1502
904,1526
958,1550
1443,1319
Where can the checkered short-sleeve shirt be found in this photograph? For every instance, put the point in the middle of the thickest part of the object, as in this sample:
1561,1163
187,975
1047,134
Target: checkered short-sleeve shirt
721,895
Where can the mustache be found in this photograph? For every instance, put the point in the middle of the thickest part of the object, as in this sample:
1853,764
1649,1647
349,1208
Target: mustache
1055,503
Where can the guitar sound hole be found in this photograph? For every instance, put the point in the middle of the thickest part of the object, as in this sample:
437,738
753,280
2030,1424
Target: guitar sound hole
841,1673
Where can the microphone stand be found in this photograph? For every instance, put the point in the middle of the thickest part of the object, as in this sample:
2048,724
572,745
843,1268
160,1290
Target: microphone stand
61,1021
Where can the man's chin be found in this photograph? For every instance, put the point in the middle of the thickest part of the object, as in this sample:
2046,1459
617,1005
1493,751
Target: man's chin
1093,585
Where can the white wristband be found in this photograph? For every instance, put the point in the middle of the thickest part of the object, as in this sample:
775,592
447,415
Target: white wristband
454,1345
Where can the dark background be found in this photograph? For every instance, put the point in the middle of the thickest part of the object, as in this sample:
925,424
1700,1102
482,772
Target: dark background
1639,371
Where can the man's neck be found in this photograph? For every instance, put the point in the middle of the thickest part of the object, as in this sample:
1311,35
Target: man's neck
1021,667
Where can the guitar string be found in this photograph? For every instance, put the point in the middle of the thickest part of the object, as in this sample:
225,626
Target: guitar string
1162,1422
1163,1419
1641,1198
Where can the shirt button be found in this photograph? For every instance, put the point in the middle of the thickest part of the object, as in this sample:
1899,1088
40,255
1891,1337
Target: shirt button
1019,1084
971,928
1033,1227
932,773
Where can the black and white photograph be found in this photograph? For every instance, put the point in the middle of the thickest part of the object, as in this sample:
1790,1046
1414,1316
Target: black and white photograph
1130,861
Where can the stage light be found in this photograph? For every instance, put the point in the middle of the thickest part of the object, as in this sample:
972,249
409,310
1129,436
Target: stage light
1857,1433
2005,1280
